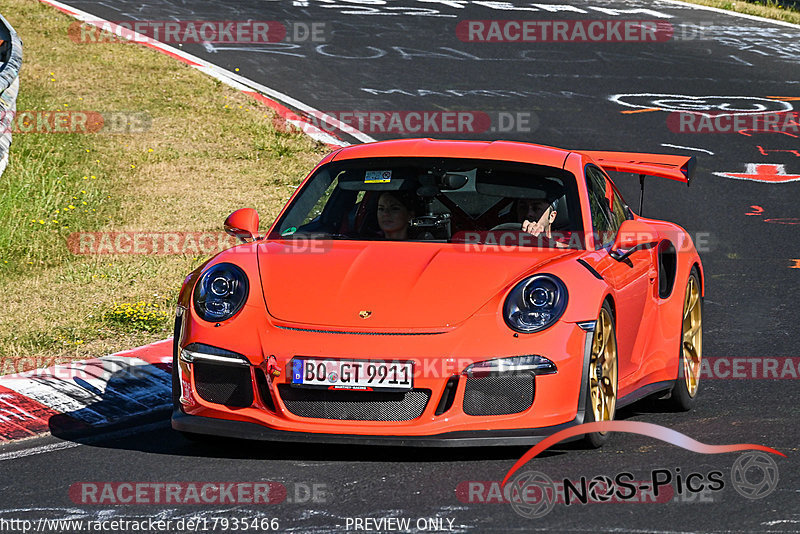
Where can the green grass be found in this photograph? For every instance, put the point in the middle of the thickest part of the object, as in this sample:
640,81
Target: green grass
143,316
208,151
50,187
769,9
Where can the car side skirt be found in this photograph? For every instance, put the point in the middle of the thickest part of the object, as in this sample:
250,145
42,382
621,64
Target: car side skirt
645,391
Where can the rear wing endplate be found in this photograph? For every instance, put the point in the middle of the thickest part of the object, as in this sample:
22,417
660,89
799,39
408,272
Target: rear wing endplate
680,168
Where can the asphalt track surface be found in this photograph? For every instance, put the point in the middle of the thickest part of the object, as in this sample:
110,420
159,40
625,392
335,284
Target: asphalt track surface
390,57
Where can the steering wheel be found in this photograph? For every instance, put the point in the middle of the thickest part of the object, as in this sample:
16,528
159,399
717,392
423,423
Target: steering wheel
507,226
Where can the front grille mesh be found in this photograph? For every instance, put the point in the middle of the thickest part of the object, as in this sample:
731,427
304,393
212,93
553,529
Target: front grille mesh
224,384
498,395
354,405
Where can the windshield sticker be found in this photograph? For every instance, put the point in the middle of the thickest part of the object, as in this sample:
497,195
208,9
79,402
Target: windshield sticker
289,231
378,177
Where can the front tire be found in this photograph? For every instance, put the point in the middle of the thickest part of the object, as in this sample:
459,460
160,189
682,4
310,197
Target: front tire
601,386
176,386
690,355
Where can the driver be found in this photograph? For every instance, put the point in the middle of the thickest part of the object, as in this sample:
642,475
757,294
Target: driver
395,211
537,215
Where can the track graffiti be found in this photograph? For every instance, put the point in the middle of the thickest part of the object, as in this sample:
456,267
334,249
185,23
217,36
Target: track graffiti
758,211
762,172
712,106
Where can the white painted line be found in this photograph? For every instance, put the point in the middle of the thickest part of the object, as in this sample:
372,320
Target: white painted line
740,60
43,449
224,79
734,13
688,148
13,409
53,447
225,76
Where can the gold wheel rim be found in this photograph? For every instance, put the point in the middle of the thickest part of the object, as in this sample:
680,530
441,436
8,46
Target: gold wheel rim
692,345
603,369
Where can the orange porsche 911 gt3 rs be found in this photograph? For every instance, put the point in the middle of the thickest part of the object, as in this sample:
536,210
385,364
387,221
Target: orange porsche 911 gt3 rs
443,293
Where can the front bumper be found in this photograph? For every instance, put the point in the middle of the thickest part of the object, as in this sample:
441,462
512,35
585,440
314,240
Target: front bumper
557,403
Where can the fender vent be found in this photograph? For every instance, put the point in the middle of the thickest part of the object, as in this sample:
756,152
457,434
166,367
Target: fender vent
667,268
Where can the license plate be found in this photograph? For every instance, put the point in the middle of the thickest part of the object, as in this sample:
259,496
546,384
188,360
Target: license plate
352,374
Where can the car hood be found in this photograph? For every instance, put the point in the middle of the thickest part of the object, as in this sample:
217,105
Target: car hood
401,284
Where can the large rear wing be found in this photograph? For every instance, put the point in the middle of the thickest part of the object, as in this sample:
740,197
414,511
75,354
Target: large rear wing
680,168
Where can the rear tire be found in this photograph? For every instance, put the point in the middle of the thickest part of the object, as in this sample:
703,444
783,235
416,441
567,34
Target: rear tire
690,353
601,385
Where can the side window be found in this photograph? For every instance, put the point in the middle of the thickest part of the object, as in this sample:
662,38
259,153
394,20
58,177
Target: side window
605,221
617,207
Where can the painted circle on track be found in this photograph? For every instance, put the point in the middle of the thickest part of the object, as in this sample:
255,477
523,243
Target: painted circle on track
703,104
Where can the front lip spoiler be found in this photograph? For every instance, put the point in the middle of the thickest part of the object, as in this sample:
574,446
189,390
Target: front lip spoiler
478,438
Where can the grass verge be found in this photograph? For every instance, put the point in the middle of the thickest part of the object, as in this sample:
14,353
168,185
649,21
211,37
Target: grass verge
206,151
769,9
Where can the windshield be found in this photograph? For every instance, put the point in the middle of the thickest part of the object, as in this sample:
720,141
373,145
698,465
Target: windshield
437,200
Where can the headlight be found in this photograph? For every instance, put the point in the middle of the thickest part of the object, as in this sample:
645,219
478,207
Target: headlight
535,303
194,352
533,364
220,292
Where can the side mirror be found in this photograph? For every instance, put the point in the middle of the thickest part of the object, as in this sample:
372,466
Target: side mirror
243,224
633,235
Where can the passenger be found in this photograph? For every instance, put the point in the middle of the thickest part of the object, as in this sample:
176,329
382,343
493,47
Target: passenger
396,209
537,215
